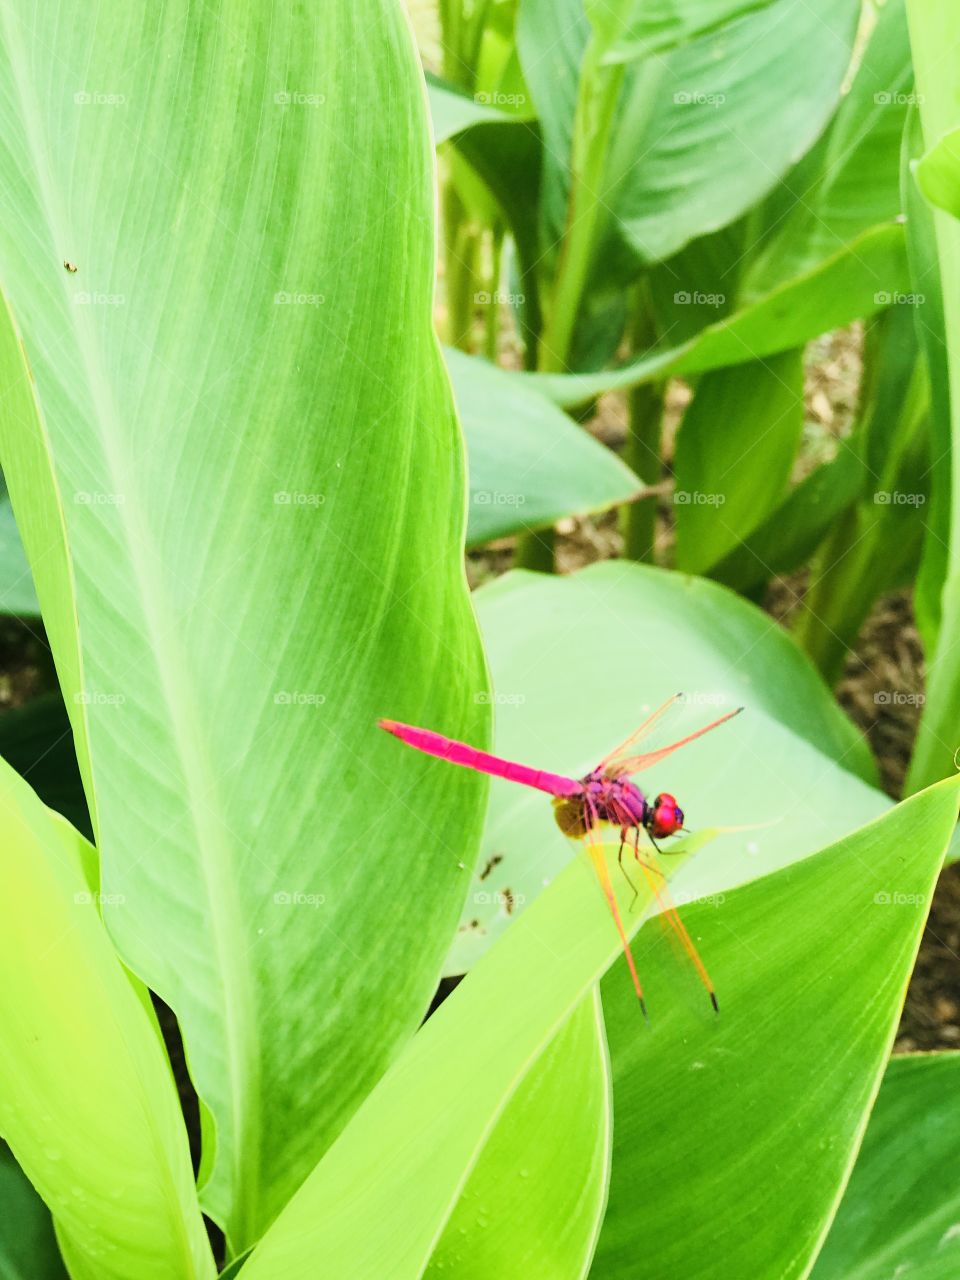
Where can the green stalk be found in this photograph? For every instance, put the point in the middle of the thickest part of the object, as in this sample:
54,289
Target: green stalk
638,520
598,92
460,253
491,332
935,38
596,106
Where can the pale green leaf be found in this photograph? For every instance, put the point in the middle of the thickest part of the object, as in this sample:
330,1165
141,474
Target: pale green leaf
529,464
578,662
87,1100
232,403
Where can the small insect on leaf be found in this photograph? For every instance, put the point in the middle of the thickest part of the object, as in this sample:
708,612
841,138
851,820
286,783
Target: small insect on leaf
70,266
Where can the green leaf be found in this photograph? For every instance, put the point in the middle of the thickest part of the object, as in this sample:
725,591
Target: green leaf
719,120
938,173
901,1209
87,1100
734,454
637,28
28,1246
829,297
388,1186
850,181
452,111
529,464
535,1199
617,640
211,468
811,965
791,534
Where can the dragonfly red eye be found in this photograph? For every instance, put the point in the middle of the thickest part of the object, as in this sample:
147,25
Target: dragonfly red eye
667,816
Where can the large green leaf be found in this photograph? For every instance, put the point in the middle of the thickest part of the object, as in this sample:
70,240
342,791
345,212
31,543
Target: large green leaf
811,964
577,662
541,1181
734,454
87,1100
900,1211
850,181
637,28
720,119
529,464
232,404
391,1182
389,1185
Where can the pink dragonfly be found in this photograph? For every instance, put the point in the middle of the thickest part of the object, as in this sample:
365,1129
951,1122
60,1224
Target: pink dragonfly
583,805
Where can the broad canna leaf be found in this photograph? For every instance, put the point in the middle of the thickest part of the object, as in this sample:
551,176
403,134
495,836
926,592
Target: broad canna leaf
578,662
212,454
17,594
87,1099
529,464
901,1209
28,1245
811,964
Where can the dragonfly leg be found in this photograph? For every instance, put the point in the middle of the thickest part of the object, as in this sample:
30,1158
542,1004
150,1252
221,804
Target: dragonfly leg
623,845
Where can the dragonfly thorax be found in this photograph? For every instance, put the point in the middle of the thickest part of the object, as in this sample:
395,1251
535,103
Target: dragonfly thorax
603,799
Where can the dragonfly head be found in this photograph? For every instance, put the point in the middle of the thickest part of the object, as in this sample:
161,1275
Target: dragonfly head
664,817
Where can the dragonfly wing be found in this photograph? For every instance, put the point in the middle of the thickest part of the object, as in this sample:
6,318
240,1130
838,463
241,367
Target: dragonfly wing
648,725
597,857
620,767
657,881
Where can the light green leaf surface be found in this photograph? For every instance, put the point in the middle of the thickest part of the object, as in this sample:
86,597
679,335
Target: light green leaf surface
578,662
535,1199
451,111
528,463
734,454
901,1211
811,966
211,444
87,1100
388,1186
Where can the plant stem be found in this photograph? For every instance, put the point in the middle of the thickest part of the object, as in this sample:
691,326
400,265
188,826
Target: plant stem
638,520
536,551
460,258
597,98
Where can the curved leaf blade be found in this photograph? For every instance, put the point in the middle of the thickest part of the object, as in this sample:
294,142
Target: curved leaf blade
211,467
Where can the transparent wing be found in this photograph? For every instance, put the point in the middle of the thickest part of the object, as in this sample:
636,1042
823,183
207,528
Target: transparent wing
619,766
594,847
638,735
